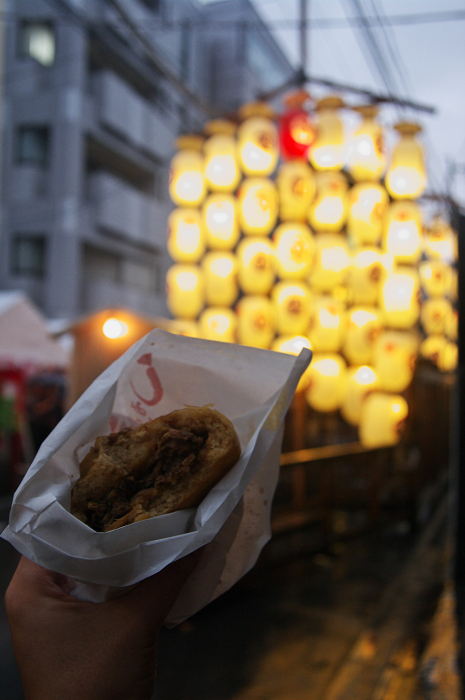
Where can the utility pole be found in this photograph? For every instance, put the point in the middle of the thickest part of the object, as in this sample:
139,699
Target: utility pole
304,68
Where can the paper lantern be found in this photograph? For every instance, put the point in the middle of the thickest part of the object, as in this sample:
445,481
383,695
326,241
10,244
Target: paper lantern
296,187
441,241
256,265
328,383
258,206
331,263
365,154
403,232
328,327
328,151
368,269
256,321
406,175
399,297
448,360
186,235
187,182
114,328
185,290
292,345
361,381
368,204
440,352
364,325
435,315
221,168
436,278
294,250
220,272
382,420
218,323
221,221
328,211
432,347
296,129
257,140
292,303
394,357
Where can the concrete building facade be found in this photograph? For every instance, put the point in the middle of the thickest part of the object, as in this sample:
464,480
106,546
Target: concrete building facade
89,124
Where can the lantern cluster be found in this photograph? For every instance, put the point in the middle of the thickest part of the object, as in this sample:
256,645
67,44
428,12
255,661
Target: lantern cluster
288,234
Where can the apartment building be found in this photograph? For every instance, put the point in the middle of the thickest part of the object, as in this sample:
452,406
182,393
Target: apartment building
89,122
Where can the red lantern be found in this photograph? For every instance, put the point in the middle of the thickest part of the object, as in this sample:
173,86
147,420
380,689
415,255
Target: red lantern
296,130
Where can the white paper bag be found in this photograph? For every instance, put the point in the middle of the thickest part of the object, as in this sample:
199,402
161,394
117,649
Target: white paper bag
161,373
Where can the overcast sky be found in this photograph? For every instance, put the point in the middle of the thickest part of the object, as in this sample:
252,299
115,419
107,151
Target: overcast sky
426,61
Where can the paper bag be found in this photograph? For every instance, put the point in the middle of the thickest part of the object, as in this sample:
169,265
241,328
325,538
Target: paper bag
161,373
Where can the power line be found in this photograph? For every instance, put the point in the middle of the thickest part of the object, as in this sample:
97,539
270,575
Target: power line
206,24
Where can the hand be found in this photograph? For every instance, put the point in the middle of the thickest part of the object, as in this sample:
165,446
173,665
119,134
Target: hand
67,649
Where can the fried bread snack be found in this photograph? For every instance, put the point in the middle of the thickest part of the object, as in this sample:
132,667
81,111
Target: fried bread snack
159,467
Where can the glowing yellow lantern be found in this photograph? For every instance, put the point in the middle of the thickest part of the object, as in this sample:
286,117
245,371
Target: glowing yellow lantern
448,359
183,326
441,241
364,325
369,267
327,389
256,270
114,328
328,211
186,235
294,250
292,345
296,187
436,278
406,176
368,204
220,271
221,221
327,324
292,303
404,232
221,169
436,315
187,182
185,290
328,151
394,357
382,420
361,381
399,297
331,263
433,347
257,140
218,323
256,321
366,161
258,206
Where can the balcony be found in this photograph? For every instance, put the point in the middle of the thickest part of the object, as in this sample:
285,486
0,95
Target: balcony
124,211
122,111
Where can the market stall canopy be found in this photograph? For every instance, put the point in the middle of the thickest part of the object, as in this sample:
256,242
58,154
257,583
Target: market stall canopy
24,339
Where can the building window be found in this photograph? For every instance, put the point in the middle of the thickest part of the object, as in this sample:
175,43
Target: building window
33,145
37,41
28,255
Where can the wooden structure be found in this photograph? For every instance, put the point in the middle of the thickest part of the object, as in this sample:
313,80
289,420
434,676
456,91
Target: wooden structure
329,478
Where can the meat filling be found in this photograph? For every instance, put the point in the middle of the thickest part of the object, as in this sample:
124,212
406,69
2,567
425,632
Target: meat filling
176,455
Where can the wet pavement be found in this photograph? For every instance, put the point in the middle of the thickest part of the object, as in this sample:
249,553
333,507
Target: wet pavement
303,625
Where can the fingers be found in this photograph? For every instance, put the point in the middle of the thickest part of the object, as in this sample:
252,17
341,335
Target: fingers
156,595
